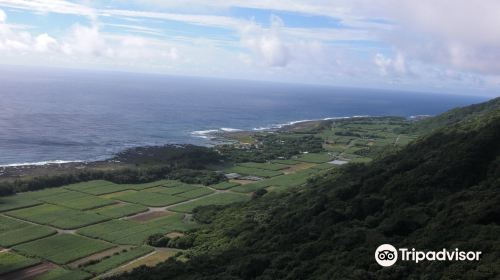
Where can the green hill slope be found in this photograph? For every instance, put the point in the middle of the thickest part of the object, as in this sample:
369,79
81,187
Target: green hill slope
456,116
441,191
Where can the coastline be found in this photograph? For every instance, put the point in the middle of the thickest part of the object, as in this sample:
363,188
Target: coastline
214,137
214,134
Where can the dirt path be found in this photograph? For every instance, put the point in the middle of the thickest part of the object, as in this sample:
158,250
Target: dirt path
113,271
350,144
191,200
149,215
30,272
397,140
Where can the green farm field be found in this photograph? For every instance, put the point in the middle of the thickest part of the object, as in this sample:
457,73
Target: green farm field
63,248
117,260
57,216
120,210
13,232
151,199
253,171
217,199
11,262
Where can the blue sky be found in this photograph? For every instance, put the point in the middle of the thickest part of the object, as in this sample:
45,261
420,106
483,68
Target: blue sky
419,45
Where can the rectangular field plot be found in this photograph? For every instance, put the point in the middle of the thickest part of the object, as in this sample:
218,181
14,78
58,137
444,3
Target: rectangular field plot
175,222
216,199
198,192
63,248
11,262
13,232
18,201
120,210
57,216
96,187
265,166
77,200
120,232
117,194
314,158
45,193
225,185
139,187
117,260
290,180
323,166
182,188
151,199
64,274
253,171
285,161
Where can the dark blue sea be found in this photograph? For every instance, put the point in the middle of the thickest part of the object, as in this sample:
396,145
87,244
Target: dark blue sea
69,115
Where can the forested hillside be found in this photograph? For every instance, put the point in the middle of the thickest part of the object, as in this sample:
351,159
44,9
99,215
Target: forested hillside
441,191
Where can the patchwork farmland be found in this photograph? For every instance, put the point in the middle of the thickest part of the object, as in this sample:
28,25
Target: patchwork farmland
97,228
89,223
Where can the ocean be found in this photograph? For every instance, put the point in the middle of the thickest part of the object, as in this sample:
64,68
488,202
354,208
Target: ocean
50,115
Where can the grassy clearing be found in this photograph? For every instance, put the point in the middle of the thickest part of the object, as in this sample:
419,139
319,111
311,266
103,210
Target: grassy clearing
18,201
117,260
199,192
265,166
57,216
151,199
217,199
10,261
13,232
77,200
63,248
224,185
314,157
120,210
253,171
64,274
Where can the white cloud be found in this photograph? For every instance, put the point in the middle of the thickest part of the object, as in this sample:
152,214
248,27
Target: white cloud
391,66
459,35
45,43
266,45
84,40
50,6
3,16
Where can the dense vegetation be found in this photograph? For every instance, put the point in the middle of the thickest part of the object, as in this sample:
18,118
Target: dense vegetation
272,146
441,191
454,116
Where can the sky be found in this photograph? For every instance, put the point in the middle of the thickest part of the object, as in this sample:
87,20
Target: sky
426,45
